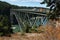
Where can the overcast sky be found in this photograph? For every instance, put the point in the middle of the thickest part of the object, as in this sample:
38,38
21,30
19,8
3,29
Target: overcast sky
32,3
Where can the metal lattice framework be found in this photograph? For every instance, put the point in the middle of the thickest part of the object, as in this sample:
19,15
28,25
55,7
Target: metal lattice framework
30,16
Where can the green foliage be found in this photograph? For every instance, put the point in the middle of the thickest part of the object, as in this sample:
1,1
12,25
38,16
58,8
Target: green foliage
3,5
3,24
31,29
34,26
27,27
54,8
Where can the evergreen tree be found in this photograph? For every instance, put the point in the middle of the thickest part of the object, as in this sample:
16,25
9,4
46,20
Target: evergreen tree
54,8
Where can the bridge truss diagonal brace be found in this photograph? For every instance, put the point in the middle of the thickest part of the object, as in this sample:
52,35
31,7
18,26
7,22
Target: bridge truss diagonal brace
19,16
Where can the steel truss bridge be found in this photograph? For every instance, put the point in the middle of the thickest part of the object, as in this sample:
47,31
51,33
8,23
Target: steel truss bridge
34,16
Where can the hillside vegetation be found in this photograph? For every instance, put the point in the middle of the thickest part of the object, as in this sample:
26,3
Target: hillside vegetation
5,23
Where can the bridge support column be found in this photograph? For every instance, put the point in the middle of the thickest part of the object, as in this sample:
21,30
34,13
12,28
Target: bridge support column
11,17
19,20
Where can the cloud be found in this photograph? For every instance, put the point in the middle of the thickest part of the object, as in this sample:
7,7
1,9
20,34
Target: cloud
30,0
13,0
27,0
24,0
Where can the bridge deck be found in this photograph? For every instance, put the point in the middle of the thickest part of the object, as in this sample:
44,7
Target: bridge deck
32,11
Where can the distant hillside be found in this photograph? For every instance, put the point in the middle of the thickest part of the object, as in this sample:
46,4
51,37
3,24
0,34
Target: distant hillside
5,4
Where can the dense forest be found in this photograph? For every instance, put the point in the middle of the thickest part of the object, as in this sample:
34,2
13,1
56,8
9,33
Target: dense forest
5,25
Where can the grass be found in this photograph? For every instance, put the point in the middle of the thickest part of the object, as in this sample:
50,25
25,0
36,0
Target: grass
48,32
